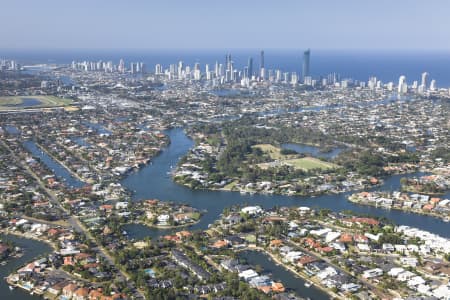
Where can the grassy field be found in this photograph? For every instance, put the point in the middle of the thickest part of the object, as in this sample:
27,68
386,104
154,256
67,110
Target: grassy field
17,102
230,186
272,151
305,163
308,163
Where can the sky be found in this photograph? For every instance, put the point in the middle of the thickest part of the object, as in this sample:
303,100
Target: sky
230,24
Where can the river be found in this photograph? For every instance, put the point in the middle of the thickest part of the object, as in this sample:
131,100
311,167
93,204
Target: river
60,172
279,273
32,249
153,181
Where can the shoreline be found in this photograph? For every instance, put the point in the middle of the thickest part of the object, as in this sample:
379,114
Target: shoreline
413,211
291,269
24,236
252,192
162,227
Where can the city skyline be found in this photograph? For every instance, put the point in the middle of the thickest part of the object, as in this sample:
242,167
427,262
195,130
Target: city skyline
171,25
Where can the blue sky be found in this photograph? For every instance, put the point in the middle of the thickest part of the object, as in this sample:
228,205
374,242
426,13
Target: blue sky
226,24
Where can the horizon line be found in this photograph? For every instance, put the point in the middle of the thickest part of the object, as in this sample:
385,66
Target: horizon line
71,49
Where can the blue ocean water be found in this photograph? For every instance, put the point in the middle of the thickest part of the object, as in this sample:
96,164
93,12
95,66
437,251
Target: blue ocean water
360,65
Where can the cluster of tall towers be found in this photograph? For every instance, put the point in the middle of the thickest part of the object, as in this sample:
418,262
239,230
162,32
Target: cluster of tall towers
228,73
424,86
135,68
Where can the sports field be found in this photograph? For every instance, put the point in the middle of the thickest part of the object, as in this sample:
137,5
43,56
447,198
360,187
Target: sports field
304,163
26,102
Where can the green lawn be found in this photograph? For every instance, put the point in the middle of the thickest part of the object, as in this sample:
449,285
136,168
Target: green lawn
305,163
308,163
272,151
14,102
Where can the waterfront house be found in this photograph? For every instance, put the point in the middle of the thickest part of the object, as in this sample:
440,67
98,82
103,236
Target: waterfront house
69,290
371,273
81,294
247,275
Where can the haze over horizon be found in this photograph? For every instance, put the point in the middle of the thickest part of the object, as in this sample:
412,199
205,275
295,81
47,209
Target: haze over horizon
176,24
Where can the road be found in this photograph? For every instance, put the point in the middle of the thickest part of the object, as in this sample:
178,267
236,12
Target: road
78,226
371,286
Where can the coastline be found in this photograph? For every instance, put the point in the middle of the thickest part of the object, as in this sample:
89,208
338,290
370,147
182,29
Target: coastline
413,211
163,227
295,272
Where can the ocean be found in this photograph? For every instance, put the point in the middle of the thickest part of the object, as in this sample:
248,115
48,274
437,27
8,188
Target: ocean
359,65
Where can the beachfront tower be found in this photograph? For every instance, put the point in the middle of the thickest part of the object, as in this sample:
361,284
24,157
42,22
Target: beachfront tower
305,67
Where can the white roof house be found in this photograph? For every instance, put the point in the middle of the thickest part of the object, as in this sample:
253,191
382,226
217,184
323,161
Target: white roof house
404,276
415,281
248,274
331,236
372,273
252,210
327,272
442,292
394,272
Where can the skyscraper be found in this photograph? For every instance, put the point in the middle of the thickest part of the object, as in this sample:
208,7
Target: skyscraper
433,86
262,70
250,67
305,69
216,69
228,62
402,85
424,81
262,59
121,66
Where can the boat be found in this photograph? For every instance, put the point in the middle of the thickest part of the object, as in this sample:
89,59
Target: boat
308,284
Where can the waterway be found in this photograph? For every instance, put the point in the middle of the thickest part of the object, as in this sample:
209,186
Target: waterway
26,102
153,181
60,172
97,128
278,273
226,92
12,130
80,141
32,249
314,151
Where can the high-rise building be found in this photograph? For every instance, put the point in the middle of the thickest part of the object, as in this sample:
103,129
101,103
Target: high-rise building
228,62
262,71
262,60
158,69
121,66
424,81
402,86
305,67
433,86
250,68
180,69
216,69
294,79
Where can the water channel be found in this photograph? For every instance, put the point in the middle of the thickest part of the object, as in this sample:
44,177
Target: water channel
154,181
32,249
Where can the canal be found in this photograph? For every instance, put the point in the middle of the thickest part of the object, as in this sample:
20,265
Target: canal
32,250
278,273
60,172
153,181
